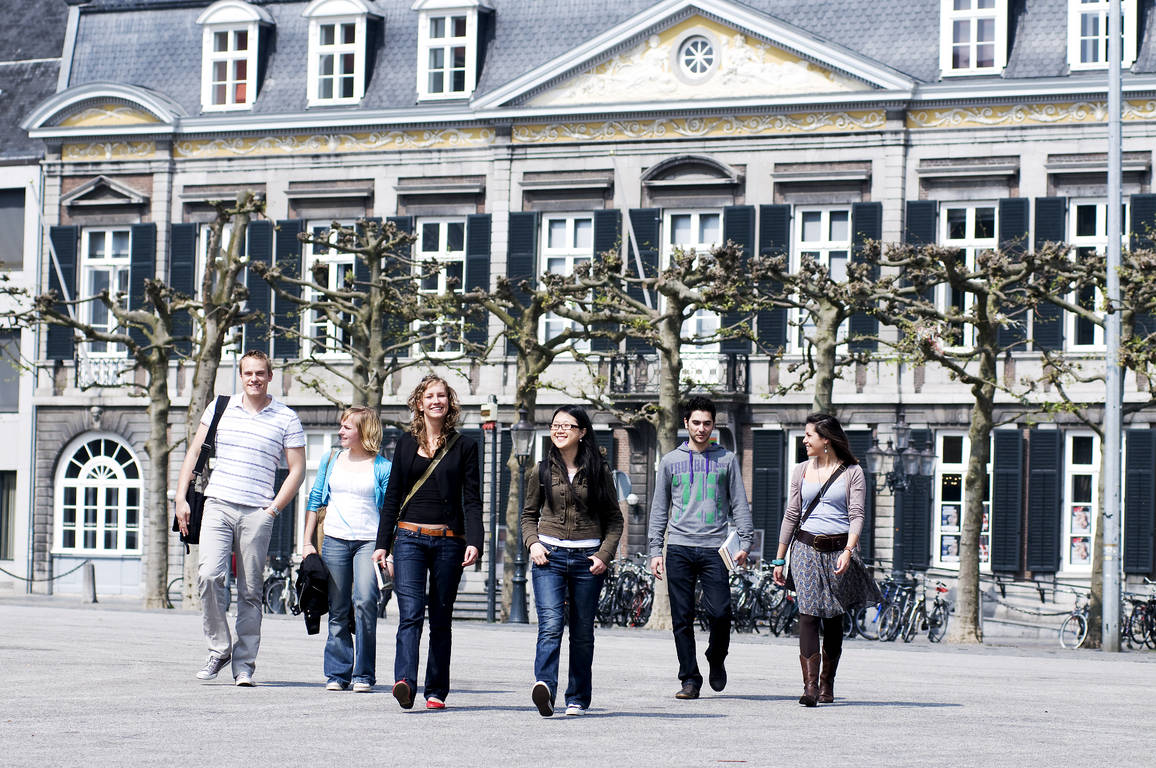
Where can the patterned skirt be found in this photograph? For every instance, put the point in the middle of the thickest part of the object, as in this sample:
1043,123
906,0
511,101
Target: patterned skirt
819,591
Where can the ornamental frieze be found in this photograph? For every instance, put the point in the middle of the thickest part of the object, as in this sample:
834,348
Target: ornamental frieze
1027,114
108,150
432,138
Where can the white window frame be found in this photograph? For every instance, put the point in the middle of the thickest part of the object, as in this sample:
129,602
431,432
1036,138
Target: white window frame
230,17
940,530
701,323
1073,508
971,244
112,475
1077,11
561,258
1099,242
118,264
444,257
972,15
336,13
339,265
427,43
229,351
799,323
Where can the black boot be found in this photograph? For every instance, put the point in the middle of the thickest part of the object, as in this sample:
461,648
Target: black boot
810,665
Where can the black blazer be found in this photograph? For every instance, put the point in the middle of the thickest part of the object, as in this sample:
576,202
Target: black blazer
459,481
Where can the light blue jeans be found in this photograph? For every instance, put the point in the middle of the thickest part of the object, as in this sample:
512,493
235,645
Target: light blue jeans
353,595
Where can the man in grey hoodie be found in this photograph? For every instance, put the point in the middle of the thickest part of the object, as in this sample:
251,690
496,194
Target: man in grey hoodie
699,488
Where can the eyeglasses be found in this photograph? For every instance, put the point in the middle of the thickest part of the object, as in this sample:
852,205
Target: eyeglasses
563,428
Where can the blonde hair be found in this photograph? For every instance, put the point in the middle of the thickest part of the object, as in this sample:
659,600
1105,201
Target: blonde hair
453,412
368,427
257,354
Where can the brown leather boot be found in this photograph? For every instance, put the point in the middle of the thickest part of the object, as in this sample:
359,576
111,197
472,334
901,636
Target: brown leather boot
827,677
810,665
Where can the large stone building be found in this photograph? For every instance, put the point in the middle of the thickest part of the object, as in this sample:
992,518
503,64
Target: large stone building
516,136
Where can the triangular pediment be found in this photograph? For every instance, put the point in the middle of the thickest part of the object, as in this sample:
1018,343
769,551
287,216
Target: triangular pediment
698,50
103,191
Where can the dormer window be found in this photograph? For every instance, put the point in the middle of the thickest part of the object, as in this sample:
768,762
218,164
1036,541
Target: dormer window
973,36
230,46
447,57
1088,33
338,46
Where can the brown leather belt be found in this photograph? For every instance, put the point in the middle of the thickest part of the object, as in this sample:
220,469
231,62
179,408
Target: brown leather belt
822,542
439,532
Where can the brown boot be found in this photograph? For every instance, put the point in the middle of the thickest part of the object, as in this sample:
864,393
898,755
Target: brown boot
827,677
810,665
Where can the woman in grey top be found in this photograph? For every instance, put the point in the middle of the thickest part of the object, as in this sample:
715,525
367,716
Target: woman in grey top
822,547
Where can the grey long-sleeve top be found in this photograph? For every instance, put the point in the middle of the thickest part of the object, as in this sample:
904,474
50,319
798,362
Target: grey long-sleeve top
856,501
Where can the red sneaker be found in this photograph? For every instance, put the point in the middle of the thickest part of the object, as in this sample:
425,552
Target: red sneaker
433,702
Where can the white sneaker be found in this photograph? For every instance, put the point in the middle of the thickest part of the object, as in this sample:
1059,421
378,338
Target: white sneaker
575,709
335,685
360,686
212,666
244,680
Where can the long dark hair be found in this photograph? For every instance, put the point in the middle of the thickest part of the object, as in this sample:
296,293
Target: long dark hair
589,455
828,427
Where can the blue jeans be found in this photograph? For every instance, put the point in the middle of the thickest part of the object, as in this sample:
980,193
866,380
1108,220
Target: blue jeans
417,556
566,581
353,595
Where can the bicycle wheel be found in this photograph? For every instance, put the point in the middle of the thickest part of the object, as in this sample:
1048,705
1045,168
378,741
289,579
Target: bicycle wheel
605,614
914,621
849,628
867,621
937,623
175,593
1136,624
889,623
643,603
274,595
1073,631
624,598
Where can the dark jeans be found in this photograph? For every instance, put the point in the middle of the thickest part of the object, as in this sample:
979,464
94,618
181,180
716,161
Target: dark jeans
685,565
416,556
565,581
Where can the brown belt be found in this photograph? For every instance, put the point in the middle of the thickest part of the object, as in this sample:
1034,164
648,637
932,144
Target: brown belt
427,531
822,542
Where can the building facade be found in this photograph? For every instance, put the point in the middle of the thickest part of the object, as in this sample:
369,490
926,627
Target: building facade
515,137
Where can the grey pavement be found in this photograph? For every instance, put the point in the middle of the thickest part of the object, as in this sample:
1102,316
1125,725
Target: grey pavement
109,685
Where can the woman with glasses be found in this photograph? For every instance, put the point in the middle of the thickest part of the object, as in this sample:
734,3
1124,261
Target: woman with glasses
571,522
351,485
431,522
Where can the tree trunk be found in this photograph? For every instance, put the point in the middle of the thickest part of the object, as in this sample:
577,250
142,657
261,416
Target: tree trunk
827,321
530,367
159,513
1095,636
666,426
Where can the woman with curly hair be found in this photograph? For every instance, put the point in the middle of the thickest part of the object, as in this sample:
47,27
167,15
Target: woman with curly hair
431,529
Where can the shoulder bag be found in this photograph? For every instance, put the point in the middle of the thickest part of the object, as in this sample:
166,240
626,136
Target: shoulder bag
195,495
319,531
790,582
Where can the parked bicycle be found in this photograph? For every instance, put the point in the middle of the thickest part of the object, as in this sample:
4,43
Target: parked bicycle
1074,630
627,597
280,595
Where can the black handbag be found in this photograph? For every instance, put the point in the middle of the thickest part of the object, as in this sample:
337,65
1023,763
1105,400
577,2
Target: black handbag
195,495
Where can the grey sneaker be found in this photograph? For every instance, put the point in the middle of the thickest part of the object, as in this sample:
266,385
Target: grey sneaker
212,666
573,710
360,686
244,680
335,685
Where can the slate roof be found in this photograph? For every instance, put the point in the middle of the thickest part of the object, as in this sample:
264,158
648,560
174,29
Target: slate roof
31,38
901,34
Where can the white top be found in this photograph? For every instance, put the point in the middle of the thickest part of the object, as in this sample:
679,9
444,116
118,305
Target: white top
352,513
250,447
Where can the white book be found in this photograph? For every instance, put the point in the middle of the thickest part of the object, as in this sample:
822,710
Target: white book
730,549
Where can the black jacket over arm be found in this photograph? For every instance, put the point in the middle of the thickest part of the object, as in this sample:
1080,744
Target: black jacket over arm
459,482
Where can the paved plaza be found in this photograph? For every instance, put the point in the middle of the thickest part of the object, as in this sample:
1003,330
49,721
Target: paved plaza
113,686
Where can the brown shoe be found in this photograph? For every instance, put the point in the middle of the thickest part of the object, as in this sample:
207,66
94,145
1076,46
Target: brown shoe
810,665
827,677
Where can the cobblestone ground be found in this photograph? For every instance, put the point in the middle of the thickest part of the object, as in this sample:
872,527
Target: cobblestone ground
113,686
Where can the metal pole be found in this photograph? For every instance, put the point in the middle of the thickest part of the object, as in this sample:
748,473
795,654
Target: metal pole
492,592
1115,389
518,613
897,489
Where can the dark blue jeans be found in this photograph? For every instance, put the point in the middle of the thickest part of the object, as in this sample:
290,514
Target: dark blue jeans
684,566
566,581
419,559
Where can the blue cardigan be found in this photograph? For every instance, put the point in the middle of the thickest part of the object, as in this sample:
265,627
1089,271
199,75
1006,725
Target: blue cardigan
319,496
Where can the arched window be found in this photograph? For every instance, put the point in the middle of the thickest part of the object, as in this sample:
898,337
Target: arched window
98,497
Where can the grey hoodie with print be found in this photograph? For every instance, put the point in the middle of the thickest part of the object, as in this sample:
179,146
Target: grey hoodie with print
695,495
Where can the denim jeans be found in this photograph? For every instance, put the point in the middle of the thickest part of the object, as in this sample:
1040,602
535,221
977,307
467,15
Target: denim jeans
352,590
417,556
684,566
565,581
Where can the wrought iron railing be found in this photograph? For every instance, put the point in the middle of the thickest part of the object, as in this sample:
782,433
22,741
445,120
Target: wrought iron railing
638,374
101,370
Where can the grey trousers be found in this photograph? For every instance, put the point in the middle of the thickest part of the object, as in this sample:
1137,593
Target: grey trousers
226,528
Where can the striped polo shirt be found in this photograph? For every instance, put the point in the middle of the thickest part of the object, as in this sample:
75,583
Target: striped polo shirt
249,451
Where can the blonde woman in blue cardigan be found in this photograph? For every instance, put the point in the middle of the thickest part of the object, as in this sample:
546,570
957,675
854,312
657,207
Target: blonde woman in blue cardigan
351,485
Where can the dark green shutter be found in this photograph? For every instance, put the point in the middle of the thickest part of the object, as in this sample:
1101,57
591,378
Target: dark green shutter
396,327
607,237
64,241
287,249
1013,238
1006,499
260,242
608,445
861,441
774,240
915,513
1045,494
183,279
866,224
285,524
142,267
1143,236
1139,500
645,222
1048,323
478,238
739,227
768,491
919,229
521,258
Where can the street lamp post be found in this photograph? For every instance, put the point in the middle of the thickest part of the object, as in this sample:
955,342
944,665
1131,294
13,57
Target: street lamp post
522,435
899,464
